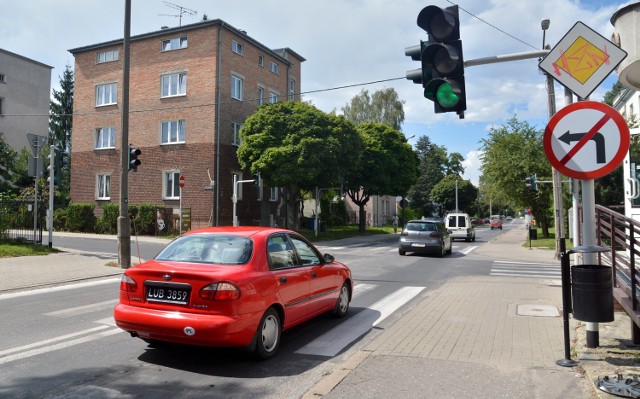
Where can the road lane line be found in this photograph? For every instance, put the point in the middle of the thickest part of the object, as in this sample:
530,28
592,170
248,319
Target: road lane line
38,291
51,340
467,250
83,309
61,345
335,340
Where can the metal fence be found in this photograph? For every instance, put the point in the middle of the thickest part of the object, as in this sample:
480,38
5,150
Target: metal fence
17,221
621,235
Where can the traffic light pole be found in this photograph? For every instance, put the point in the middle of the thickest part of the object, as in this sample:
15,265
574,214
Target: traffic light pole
124,224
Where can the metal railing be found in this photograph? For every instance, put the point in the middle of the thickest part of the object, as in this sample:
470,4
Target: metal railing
16,221
620,234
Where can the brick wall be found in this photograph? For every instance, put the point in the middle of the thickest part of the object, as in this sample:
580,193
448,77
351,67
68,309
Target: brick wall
198,108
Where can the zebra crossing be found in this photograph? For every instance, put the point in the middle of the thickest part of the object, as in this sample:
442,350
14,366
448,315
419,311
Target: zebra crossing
524,269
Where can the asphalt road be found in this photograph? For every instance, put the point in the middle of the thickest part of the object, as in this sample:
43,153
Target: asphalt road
62,343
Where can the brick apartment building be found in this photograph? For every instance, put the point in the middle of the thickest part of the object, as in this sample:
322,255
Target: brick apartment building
191,88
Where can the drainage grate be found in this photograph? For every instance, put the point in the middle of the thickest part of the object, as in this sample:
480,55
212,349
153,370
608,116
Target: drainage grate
620,386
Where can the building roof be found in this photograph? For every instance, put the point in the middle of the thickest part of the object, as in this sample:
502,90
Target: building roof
25,58
279,53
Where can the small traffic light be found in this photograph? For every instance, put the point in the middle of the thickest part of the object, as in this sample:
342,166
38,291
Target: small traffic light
442,73
134,161
532,182
52,166
257,179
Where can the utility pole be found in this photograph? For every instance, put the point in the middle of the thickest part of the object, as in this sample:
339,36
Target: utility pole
124,224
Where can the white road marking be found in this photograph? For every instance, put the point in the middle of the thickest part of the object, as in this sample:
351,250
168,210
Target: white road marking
83,309
467,250
332,342
47,290
362,288
23,354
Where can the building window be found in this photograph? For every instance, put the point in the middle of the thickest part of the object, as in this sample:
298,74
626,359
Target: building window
107,56
1,102
273,67
171,184
236,176
237,48
260,95
105,137
106,94
2,78
273,194
273,97
174,44
261,60
104,187
174,131
235,127
236,87
292,89
173,85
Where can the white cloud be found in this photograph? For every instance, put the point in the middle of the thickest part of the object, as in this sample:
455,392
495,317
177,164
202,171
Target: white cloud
471,166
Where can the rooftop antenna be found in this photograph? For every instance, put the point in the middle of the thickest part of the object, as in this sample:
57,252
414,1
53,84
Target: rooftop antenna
181,10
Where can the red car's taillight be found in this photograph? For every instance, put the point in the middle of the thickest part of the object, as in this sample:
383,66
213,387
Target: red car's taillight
128,284
220,292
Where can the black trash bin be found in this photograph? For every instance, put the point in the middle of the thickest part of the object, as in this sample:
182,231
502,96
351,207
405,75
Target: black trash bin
533,234
592,291
323,227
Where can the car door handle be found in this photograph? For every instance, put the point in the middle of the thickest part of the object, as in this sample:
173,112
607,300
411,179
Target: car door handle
314,275
283,279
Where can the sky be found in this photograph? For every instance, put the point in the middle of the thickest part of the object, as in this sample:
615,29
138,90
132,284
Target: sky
349,46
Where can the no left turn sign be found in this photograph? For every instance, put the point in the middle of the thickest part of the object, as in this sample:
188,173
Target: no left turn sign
586,140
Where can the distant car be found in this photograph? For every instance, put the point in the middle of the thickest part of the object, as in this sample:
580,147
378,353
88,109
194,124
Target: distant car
425,236
231,287
509,218
496,222
460,226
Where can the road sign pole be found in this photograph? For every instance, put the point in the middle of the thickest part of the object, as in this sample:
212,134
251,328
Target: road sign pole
589,239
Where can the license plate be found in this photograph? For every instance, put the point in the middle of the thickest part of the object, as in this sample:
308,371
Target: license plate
168,292
418,244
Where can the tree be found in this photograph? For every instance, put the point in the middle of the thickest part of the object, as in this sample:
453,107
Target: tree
383,106
60,127
7,162
388,166
297,147
434,165
444,193
613,93
512,153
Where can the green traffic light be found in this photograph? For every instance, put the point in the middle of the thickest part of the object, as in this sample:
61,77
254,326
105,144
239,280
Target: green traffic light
446,97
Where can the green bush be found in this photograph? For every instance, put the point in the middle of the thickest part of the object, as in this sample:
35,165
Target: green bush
108,223
80,218
143,218
60,219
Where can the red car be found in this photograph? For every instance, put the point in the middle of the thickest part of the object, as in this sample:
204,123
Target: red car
231,287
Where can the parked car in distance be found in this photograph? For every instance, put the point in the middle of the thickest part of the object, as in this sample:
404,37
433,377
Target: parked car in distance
425,236
460,226
509,218
496,222
231,287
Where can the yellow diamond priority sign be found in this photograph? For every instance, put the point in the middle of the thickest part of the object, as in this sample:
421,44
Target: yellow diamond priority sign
582,60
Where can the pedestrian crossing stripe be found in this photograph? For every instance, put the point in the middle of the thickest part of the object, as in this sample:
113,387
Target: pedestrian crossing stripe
335,340
523,269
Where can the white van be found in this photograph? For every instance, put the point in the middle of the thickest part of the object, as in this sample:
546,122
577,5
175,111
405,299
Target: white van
460,226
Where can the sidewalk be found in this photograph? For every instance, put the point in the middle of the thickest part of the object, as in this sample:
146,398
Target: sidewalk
492,337
481,336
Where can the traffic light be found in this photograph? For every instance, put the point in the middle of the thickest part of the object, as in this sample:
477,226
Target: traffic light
257,179
532,182
134,159
442,61
53,176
